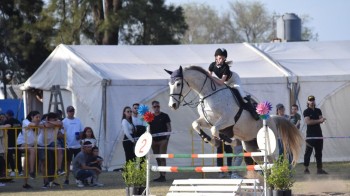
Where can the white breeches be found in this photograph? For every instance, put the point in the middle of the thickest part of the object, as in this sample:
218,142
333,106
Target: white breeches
235,82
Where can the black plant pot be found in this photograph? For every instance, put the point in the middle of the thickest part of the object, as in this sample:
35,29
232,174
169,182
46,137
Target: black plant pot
282,192
133,190
141,190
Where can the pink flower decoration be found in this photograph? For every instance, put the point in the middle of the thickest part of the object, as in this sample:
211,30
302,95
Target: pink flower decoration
263,108
148,117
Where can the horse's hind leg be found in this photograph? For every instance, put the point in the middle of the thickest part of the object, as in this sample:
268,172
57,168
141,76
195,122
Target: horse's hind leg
252,146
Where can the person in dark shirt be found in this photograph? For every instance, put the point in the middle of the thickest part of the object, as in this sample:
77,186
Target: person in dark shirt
95,161
160,124
12,134
313,118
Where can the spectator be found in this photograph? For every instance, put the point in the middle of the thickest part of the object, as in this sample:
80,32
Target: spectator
313,118
128,129
59,115
2,154
80,170
95,161
280,111
60,151
295,116
26,141
88,135
73,128
137,120
2,118
60,146
160,124
12,135
48,131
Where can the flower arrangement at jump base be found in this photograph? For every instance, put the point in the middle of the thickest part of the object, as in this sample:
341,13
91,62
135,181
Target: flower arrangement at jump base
263,109
147,116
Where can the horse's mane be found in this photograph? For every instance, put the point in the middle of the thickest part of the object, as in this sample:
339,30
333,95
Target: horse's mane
200,69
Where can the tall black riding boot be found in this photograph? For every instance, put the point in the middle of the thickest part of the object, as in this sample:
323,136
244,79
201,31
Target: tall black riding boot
251,108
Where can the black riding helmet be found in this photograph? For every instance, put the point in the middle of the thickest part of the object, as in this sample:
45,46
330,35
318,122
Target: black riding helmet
221,52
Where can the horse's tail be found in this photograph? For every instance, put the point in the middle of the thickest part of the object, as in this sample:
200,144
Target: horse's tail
290,135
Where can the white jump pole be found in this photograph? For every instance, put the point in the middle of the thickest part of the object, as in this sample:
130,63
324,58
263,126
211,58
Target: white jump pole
148,174
265,157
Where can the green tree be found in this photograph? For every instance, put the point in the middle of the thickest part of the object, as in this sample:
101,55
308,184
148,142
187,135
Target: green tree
252,20
205,26
306,32
115,22
151,22
22,45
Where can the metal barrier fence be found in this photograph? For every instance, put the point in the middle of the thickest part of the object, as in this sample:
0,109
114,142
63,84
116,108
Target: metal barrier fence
48,160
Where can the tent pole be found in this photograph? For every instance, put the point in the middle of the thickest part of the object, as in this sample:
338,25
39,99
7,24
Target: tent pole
104,116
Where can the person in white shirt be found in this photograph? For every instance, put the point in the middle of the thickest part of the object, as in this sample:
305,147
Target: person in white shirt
88,135
73,130
129,130
26,141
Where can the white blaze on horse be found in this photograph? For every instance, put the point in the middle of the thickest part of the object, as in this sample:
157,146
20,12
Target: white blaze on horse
220,111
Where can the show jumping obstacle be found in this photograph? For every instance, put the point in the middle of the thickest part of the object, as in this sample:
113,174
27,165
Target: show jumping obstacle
209,168
246,154
212,186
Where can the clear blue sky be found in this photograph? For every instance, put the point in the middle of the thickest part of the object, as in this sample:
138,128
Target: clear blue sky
330,18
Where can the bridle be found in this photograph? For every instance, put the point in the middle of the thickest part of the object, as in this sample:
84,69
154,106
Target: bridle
181,97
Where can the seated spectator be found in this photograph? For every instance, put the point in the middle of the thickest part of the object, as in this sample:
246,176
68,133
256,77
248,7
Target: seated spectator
13,155
2,160
49,128
80,170
26,141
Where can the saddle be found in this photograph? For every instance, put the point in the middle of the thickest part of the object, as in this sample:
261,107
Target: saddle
245,105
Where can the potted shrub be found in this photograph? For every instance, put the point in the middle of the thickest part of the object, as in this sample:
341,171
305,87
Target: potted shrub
280,177
134,175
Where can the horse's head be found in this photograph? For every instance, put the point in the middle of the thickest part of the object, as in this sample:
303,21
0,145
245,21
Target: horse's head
176,86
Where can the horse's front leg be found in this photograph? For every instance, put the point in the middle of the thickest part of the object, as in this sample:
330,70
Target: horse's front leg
215,131
197,125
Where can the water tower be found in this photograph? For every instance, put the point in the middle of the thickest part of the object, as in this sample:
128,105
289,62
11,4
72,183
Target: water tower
289,28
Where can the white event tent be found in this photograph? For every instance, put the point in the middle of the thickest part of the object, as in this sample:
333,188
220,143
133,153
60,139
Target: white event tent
99,81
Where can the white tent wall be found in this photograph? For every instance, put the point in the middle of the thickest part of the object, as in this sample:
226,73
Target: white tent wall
322,70
332,98
336,109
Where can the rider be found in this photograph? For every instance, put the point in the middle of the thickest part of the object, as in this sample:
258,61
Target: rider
230,78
